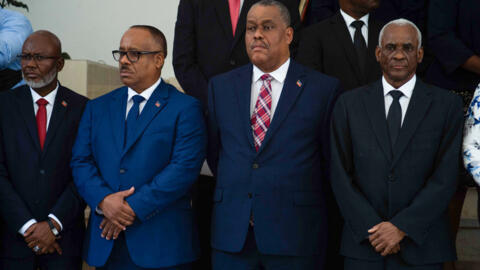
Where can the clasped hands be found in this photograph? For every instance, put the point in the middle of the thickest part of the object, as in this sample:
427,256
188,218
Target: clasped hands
39,237
117,214
385,238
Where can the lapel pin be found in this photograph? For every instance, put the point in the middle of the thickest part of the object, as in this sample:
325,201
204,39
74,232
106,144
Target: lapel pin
64,103
157,104
299,83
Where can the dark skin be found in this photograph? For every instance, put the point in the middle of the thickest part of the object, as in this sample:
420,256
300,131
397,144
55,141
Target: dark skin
139,76
267,38
358,8
472,64
398,56
42,43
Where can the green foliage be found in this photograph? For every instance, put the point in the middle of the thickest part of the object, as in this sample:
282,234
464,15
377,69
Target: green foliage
5,3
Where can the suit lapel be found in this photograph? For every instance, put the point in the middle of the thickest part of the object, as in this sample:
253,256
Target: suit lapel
25,105
118,107
240,30
342,34
417,108
223,13
288,97
155,104
243,89
58,113
372,64
374,102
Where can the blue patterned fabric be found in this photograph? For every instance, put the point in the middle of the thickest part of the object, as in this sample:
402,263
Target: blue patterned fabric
471,140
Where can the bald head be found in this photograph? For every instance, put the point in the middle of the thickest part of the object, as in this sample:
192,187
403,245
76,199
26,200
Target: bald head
46,38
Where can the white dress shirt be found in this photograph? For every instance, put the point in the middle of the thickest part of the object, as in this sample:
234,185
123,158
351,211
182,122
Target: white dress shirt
348,21
406,89
145,94
50,98
278,75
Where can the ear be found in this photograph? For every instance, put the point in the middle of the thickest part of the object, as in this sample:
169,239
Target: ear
289,34
159,60
420,55
60,63
378,52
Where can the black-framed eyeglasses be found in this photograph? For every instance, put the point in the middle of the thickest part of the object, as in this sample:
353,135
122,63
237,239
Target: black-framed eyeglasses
132,56
36,57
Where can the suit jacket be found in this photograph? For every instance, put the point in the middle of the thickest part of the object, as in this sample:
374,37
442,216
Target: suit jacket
282,183
204,44
328,48
409,185
161,161
34,183
454,37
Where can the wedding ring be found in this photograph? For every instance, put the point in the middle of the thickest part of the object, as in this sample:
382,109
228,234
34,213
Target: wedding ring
36,248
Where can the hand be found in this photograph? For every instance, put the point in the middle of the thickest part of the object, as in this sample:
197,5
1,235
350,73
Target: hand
39,234
117,210
384,237
109,229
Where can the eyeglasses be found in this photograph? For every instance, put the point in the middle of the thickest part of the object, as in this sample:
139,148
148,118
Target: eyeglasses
36,57
132,56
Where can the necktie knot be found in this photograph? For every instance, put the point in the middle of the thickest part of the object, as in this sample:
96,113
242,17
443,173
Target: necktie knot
42,102
137,99
396,94
357,24
266,77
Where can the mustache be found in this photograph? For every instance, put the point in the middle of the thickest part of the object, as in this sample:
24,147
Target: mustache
124,68
259,43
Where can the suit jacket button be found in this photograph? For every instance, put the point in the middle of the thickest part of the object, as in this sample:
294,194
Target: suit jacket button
255,165
232,62
122,171
42,171
250,195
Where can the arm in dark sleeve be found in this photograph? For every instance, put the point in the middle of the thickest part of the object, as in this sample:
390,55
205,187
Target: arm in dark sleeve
359,215
450,51
310,49
185,60
433,199
213,132
319,10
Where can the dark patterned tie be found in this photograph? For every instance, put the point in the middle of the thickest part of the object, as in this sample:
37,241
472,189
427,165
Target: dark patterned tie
132,116
394,118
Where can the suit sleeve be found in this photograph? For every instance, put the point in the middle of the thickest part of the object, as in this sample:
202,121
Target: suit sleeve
359,215
450,51
426,208
13,210
213,132
185,60
310,49
86,176
176,179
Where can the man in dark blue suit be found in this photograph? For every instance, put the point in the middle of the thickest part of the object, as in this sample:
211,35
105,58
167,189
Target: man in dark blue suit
138,151
268,148
41,213
395,146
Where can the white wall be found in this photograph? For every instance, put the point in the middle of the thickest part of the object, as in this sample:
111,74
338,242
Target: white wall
91,29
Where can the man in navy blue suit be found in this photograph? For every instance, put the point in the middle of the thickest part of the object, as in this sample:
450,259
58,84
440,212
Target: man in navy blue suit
268,126
138,151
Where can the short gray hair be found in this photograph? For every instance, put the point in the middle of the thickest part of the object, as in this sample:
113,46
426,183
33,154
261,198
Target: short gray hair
284,13
401,22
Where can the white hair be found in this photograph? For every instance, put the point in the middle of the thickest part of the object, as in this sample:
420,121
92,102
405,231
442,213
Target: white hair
401,22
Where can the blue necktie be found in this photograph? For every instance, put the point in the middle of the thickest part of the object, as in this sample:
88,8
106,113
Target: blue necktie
132,117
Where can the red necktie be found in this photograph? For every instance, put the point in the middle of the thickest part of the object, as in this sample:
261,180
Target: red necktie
261,115
234,13
42,120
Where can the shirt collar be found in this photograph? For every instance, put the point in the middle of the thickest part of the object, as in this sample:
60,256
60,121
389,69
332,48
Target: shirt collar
50,98
349,19
146,93
406,88
279,74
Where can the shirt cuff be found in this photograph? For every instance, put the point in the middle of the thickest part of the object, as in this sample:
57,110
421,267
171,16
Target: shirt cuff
52,216
26,226
98,211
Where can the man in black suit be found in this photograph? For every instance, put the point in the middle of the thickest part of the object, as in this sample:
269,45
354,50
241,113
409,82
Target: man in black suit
42,222
206,45
343,46
395,146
